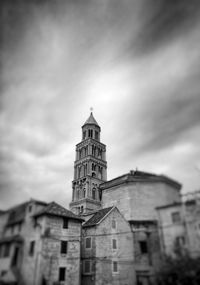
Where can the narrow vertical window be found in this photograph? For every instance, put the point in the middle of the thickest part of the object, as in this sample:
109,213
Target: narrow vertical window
63,247
94,193
88,242
114,244
87,266
113,224
31,248
62,273
143,247
65,223
115,266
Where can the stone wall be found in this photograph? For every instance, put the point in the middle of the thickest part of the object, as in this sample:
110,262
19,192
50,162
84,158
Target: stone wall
138,201
102,254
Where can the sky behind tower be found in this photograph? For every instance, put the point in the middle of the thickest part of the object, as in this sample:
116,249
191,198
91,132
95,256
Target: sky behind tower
137,63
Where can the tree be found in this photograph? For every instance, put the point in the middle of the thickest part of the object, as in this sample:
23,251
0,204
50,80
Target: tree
182,269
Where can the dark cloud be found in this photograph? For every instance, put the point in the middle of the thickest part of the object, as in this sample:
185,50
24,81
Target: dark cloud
61,57
165,20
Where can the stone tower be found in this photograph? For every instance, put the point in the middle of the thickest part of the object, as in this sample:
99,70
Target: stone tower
90,169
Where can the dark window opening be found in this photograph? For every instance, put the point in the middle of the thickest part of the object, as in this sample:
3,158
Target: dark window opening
65,223
15,256
115,266
62,273
88,242
31,248
30,208
176,218
114,244
94,193
143,247
63,248
87,266
96,135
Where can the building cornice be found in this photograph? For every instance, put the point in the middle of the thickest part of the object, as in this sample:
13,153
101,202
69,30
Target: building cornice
141,177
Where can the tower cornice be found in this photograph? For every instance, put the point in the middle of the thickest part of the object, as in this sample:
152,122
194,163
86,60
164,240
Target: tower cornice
90,158
90,140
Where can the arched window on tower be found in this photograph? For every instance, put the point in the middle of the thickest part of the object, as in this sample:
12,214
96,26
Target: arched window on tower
84,192
78,194
99,153
96,135
84,135
93,150
90,133
79,171
100,172
94,193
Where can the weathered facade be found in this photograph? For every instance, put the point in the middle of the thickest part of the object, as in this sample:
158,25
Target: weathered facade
90,169
40,244
137,194
107,249
179,225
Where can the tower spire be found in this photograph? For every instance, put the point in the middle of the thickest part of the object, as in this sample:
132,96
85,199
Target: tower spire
90,169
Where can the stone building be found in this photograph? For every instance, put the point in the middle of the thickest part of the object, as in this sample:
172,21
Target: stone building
115,232
179,225
134,198
107,249
90,169
40,244
137,194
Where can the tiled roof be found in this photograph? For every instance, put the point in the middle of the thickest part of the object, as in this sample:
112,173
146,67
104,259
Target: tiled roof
17,213
98,216
55,209
91,120
139,176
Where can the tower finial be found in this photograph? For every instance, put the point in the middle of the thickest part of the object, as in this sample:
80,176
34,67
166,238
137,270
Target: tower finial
91,109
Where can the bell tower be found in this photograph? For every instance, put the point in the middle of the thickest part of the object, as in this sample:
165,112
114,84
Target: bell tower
90,169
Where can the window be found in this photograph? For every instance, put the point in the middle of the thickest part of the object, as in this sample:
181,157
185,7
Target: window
81,209
90,133
96,135
88,242
115,266
15,256
143,247
62,273
6,250
65,223
84,134
31,248
30,208
63,247
114,244
87,266
93,193
180,241
113,224
176,218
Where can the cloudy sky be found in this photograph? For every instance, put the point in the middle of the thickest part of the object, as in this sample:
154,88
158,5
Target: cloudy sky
137,63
